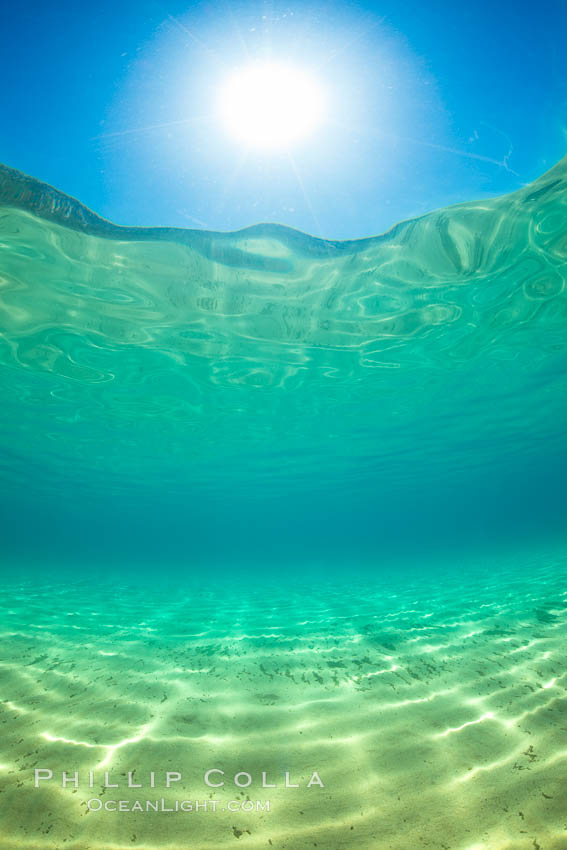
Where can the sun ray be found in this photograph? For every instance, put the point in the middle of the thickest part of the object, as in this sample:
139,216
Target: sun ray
318,229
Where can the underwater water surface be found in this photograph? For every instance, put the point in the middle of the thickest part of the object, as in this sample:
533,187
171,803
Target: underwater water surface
277,503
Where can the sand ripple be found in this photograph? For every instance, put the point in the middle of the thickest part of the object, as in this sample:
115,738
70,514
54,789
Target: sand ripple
434,711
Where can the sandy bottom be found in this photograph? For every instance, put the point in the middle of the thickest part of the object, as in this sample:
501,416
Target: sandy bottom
433,709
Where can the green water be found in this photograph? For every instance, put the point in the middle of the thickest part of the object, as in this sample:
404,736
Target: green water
169,385
258,485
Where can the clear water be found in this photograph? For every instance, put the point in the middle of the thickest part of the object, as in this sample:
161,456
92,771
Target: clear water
260,486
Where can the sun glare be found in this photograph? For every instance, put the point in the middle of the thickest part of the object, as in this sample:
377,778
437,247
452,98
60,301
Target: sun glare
269,106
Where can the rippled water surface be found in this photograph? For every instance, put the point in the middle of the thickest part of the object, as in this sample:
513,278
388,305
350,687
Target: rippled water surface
141,357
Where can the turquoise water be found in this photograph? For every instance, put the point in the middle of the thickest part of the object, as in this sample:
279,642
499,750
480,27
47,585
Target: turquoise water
277,477
267,395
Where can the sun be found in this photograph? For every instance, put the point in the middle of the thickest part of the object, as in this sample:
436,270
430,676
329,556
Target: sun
271,106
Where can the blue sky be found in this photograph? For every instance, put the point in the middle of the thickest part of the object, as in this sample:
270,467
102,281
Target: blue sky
431,103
